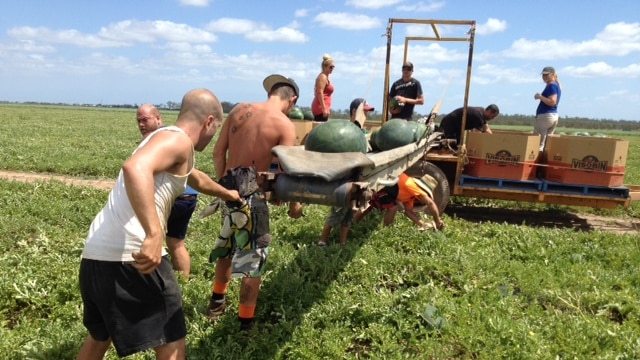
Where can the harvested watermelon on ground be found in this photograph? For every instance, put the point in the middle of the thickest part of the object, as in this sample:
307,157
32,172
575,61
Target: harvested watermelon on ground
395,133
336,136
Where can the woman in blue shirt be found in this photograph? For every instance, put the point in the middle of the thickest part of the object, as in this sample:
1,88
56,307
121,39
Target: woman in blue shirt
547,111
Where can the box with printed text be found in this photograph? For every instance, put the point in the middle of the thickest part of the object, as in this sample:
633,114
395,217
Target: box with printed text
511,155
585,160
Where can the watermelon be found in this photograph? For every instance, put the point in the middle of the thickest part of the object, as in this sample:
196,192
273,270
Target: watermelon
308,115
393,103
372,140
395,133
418,129
336,136
296,113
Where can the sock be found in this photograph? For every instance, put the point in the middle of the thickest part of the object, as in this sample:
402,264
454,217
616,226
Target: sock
246,312
219,289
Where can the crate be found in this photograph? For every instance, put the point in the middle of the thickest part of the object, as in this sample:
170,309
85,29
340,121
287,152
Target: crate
511,155
303,127
585,160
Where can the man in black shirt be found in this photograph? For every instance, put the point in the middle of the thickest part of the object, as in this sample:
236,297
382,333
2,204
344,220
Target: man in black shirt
477,119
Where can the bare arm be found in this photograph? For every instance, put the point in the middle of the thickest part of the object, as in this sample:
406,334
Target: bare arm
549,101
166,151
204,184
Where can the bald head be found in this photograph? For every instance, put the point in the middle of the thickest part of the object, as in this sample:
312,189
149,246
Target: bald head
200,111
149,119
199,104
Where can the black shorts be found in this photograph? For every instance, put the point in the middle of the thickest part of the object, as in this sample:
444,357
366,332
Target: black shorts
181,212
138,312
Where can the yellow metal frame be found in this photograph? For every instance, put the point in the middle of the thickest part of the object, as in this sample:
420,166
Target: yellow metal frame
449,158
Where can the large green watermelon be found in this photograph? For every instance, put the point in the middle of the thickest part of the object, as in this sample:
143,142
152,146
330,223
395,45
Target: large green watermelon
296,113
373,138
336,136
418,129
395,133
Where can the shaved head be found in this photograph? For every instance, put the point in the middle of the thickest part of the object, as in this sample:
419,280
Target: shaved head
198,104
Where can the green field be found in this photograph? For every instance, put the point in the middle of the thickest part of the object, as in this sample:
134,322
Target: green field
477,290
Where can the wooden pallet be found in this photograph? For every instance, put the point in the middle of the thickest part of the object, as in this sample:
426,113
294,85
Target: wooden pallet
591,190
543,186
523,185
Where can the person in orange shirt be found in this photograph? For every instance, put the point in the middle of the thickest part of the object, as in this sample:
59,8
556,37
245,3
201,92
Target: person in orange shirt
413,195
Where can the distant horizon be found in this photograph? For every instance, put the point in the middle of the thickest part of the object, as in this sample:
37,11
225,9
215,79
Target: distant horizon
137,52
344,112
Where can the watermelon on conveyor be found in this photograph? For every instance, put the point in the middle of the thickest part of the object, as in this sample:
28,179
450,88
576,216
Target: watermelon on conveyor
395,133
336,136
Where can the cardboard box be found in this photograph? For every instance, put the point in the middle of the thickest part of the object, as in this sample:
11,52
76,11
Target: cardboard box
586,160
303,127
511,155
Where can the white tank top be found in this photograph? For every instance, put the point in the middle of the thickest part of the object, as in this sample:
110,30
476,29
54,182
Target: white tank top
116,233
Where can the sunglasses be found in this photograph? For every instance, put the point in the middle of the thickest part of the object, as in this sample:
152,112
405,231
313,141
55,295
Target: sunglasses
332,67
406,68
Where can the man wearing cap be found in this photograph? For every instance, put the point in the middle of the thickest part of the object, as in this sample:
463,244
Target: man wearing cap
416,195
243,149
413,195
547,111
405,94
357,117
477,119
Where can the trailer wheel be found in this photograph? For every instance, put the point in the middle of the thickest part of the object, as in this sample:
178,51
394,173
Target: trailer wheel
441,192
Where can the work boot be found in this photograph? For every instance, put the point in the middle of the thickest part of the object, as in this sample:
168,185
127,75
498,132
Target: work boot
215,309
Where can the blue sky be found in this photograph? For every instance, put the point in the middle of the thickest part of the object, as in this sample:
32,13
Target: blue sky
116,52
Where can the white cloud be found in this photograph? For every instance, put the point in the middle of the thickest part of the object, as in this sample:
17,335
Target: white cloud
196,3
422,7
601,69
347,21
123,33
618,39
492,26
152,31
257,32
371,4
301,13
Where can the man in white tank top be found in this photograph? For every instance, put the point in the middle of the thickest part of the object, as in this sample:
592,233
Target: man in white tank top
130,293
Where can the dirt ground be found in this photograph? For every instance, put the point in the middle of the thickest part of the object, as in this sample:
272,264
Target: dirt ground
577,221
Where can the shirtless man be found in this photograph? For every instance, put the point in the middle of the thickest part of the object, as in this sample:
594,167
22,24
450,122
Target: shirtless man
243,149
130,293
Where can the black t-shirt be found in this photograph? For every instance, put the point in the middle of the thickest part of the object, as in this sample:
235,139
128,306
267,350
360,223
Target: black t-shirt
451,124
411,89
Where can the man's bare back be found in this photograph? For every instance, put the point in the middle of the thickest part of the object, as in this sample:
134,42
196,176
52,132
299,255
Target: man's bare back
248,135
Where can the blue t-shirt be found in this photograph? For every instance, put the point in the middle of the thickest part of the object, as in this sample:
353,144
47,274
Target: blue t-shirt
549,90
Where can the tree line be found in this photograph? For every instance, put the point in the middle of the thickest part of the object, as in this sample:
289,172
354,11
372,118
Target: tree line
503,119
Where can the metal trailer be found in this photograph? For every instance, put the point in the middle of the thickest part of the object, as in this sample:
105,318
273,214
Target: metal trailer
451,162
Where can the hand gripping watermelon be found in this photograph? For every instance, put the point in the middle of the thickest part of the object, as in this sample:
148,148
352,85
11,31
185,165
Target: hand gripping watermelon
336,136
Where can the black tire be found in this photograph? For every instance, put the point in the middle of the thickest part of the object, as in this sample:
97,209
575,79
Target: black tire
441,192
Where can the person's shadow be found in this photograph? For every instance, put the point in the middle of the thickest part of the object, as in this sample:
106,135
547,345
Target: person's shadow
551,218
288,294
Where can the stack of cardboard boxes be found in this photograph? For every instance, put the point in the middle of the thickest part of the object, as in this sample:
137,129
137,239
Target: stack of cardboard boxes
579,160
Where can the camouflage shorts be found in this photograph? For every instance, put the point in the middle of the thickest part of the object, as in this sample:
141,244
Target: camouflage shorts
244,237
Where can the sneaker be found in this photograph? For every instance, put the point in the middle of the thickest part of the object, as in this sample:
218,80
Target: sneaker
215,309
322,244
